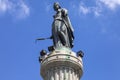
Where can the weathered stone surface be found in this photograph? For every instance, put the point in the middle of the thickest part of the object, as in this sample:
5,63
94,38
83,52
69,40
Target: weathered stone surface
61,64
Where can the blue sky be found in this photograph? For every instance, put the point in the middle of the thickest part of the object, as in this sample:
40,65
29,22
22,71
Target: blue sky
97,34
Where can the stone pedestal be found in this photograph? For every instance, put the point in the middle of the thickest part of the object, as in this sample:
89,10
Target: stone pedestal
61,64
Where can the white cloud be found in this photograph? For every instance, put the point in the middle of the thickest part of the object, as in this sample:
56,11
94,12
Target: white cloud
83,9
23,10
96,10
17,9
112,4
100,6
5,5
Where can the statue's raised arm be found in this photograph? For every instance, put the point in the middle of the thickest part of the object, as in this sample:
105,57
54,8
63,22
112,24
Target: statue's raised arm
62,30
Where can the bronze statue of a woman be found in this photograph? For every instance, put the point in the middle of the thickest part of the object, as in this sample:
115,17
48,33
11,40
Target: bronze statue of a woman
62,31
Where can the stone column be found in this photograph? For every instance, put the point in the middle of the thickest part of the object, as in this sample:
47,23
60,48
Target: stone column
61,65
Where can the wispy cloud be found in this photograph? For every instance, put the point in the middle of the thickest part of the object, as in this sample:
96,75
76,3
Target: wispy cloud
99,7
96,10
112,4
83,9
5,5
17,8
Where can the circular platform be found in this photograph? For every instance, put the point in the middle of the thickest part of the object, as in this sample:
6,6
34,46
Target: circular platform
61,62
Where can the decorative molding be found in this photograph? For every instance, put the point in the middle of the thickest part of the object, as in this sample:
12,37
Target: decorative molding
61,65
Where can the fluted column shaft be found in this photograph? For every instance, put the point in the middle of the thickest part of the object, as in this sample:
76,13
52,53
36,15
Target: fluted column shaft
62,73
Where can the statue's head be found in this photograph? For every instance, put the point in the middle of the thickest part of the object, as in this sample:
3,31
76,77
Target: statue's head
56,6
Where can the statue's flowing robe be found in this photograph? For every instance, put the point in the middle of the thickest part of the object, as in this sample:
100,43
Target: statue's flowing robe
62,31
70,30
